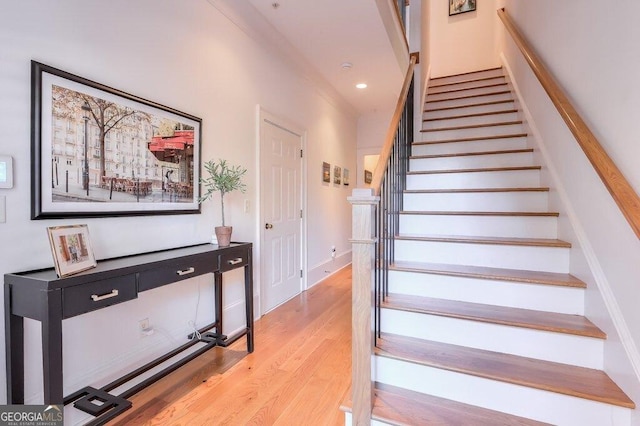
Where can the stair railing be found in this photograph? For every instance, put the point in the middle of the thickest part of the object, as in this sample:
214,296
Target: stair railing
375,223
619,188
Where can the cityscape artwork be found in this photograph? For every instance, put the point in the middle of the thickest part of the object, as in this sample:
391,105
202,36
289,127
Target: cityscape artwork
102,152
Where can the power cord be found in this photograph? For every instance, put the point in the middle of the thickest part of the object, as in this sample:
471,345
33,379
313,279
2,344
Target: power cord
196,333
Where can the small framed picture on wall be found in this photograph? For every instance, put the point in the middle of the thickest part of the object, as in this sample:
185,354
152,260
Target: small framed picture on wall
337,175
345,177
368,176
326,172
461,6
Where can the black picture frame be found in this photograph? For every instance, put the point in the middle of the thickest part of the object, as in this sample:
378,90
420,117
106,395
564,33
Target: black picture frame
97,151
457,7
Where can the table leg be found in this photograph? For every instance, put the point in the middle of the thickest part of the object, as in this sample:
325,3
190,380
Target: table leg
248,294
217,279
52,348
14,351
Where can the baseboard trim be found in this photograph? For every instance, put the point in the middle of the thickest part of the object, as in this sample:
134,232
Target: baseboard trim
328,268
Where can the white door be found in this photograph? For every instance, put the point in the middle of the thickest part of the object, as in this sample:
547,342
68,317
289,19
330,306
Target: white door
280,177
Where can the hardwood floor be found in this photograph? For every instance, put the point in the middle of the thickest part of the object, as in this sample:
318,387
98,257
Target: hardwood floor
298,374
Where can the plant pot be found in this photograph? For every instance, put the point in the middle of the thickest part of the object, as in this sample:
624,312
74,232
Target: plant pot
223,234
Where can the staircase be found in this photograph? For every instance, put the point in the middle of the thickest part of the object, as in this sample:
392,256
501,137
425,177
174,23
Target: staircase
483,324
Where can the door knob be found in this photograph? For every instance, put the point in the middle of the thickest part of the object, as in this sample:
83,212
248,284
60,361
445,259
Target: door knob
268,226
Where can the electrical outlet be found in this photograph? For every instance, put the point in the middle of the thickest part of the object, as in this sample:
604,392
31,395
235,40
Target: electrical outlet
144,324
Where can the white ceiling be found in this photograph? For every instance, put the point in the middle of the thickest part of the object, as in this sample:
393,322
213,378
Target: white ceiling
319,36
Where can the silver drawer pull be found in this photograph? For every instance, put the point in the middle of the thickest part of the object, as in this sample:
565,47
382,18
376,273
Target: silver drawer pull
97,298
186,271
235,261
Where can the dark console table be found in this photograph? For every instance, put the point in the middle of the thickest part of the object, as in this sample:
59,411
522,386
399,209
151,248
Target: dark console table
42,296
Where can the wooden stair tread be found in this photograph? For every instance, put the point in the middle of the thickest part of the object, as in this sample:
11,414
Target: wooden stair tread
457,98
478,213
483,272
473,126
485,86
400,406
474,190
479,104
472,154
466,73
537,242
565,379
514,317
479,114
474,170
472,139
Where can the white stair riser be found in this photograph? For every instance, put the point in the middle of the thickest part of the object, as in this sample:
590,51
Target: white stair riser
473,132
462,101
435,81
469,84
468,180
523,201
531,258
467,121
471,161
454,91
482,145
555,347
348,421
513,399
540,297
469,110
480,226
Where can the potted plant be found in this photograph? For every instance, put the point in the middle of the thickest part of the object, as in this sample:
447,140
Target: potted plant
224,178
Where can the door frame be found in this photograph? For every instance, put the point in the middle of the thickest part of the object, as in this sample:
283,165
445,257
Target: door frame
263,115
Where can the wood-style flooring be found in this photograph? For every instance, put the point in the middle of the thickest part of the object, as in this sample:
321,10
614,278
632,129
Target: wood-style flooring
298,374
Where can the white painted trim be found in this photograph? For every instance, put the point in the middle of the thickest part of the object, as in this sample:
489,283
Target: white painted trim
600,278
328,268
394,29
418,112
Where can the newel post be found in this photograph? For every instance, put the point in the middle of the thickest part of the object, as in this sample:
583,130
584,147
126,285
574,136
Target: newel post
363,203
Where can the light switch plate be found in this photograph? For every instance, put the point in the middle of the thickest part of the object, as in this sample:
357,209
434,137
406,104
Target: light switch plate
6,171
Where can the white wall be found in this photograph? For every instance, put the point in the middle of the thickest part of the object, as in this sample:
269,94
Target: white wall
184,54
591,49
464,42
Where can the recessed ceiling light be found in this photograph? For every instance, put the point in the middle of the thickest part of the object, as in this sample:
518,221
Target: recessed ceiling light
346,65
361,85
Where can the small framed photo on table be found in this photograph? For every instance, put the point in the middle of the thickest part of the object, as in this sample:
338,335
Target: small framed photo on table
71,249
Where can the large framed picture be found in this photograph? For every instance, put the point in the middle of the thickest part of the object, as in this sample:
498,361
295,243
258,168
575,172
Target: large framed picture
71,249
461,6
97,151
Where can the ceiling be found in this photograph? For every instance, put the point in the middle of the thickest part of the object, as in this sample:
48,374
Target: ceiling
318,36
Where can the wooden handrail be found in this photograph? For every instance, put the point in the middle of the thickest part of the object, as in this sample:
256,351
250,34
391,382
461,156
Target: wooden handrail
378,174
622,192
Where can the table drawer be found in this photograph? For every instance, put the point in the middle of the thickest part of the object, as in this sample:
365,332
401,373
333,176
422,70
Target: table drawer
233,259
97,295
177,270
